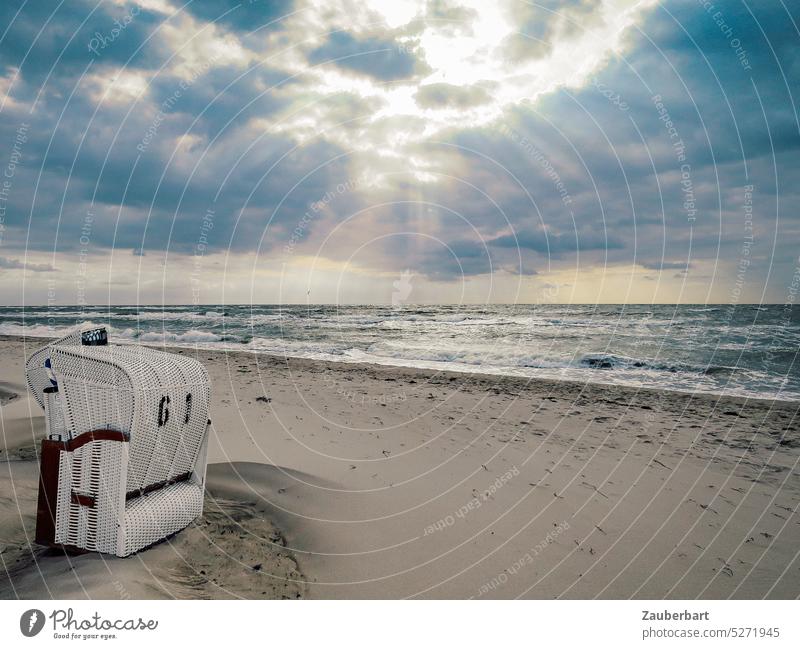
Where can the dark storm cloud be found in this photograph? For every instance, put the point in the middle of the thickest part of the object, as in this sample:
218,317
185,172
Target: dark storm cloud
121,168
596,167
557,243
223,97
242,16
164,202
379,58
115,170
60,39
635,192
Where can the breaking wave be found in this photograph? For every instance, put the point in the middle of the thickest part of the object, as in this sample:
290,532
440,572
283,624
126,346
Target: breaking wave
745,351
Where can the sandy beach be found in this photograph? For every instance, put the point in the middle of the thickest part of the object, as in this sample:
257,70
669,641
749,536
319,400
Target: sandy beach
336,480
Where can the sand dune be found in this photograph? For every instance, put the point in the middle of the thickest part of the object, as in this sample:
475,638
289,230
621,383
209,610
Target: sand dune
232,551
345,480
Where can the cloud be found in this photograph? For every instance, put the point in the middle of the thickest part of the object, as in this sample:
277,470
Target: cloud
48,41
665,265
559,243
14,264
445,95
459,122
542,24
382,59
242,16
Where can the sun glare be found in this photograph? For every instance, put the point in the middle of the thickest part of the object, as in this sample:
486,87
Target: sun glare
466,50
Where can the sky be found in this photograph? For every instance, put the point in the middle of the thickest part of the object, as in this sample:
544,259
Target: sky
324,151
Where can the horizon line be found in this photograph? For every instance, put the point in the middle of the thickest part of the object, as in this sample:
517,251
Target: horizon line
385,304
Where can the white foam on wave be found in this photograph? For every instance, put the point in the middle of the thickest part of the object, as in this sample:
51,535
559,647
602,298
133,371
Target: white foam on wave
34,331
191,336
635,352
127,334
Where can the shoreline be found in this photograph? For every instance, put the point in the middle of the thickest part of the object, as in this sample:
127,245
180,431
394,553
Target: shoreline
522,381
394,482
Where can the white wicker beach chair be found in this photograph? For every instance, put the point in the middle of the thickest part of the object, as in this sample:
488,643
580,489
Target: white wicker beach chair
124,459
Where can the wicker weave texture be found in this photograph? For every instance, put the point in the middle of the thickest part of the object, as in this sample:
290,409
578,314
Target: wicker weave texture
93,474
36,373
156,515
160,404
160,400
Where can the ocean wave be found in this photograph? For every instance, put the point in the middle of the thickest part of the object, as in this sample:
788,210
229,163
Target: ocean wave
191,336
605,361
34,331
127,334
80,316
663,347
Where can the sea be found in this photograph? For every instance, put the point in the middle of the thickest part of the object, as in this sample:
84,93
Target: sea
741,350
